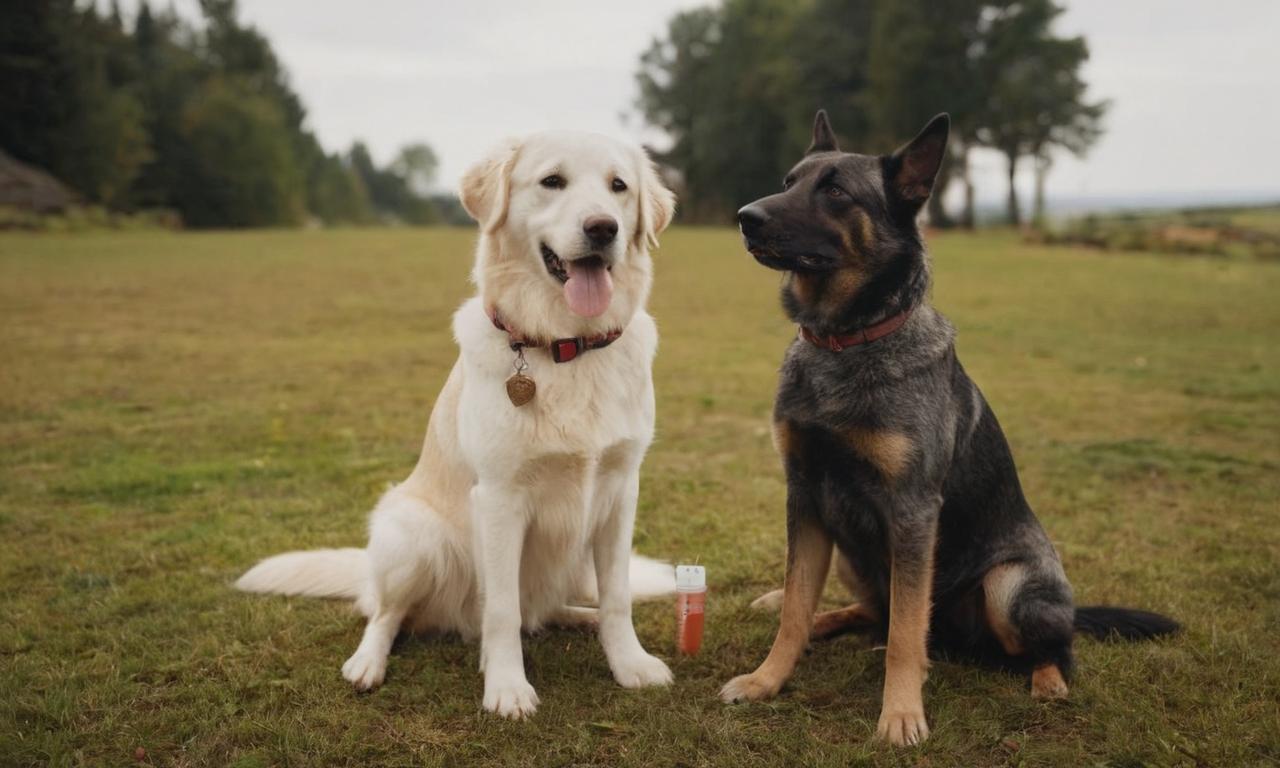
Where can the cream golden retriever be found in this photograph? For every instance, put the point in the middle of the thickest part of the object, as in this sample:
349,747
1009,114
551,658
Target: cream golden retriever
515,514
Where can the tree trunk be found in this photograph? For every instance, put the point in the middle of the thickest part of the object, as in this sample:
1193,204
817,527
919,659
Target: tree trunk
937,205
1043,163
1015,212
967,217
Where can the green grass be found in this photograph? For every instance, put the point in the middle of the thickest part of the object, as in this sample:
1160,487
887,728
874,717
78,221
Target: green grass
175,406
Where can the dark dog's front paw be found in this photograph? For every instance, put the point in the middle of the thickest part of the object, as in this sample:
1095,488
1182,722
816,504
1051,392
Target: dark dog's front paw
752,687
902,728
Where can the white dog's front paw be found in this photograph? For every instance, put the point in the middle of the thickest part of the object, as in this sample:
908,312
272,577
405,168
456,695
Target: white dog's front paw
515,700
365,670
769,602
640,670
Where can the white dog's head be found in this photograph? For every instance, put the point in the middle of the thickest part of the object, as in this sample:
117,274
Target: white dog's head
566,223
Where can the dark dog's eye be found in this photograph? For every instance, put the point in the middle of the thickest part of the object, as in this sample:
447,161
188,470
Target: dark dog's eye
834,191
554,181
786,183
618,185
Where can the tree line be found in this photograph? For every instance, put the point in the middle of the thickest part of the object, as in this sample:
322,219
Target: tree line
735,86
160,114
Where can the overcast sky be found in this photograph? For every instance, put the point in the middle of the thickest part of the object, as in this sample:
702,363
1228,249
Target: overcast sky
1194,85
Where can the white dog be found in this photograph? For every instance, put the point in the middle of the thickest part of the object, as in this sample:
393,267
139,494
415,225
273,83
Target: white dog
514,512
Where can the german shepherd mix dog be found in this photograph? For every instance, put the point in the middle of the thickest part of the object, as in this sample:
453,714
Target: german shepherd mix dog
891,452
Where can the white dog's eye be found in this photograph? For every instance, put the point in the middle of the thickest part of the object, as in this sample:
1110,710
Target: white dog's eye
618,185
554,181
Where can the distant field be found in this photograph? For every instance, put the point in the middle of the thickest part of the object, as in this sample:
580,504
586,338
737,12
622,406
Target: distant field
1240,233
175,406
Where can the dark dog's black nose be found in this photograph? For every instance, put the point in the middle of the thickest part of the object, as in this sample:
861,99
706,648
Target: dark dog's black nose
600,230
751,218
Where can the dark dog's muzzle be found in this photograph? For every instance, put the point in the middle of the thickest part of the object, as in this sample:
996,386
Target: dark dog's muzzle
751,218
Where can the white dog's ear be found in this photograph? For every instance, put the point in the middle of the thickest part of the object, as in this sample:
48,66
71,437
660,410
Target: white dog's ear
485,189
657,203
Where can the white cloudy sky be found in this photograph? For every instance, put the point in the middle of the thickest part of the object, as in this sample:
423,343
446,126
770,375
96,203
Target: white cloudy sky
1194,85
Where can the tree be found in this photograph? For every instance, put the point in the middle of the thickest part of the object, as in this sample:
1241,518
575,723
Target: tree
37,80
1068,121
417,165
335,193
244,53
735,86
719,85
831,44
386,190
169,73
239,169
391,189
1036,97
166,115
919,66
111,147
65,78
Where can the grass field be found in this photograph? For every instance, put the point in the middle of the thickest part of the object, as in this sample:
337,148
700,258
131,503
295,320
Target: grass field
175,406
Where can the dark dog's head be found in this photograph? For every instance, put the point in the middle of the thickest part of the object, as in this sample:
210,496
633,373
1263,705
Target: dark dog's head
844,226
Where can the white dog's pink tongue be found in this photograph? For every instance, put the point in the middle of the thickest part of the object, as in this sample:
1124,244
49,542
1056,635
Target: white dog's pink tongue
589,289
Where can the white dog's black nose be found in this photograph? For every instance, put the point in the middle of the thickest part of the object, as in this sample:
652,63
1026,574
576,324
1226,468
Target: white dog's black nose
600,230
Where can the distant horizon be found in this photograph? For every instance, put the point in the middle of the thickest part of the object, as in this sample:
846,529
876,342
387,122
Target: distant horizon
1077,205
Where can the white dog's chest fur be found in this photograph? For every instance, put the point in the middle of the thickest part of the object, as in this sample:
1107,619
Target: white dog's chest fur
582,407
564,457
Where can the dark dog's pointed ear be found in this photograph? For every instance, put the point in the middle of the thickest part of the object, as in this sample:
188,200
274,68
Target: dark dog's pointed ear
824,139
915,165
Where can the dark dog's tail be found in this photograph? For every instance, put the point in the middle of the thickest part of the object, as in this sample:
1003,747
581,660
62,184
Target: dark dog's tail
1104,622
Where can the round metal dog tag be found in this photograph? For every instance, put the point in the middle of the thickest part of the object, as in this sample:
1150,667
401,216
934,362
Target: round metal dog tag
520,389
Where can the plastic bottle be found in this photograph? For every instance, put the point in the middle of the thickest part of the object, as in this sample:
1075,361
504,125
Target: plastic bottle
691,602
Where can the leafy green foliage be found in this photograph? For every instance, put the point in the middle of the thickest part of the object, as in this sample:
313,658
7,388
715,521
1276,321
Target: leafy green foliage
391,190
336,193
920,63
733,86
242,170
67,83
736,86
1034,98
202,121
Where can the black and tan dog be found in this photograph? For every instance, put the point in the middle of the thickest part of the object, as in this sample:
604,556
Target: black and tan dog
892,453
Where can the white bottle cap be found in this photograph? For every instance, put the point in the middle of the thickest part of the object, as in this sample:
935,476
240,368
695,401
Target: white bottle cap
691,578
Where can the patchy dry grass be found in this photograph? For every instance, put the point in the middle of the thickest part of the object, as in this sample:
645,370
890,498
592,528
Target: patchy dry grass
175,406
1244,233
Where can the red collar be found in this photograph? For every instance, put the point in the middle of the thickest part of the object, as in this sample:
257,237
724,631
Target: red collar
864,336
562,350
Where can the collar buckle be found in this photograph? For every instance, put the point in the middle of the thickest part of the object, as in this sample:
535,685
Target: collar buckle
564,350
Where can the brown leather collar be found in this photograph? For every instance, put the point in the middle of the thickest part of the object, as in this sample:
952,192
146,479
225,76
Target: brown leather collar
562,350
864,336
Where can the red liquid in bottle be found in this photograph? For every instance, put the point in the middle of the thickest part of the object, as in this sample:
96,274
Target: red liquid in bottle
691,603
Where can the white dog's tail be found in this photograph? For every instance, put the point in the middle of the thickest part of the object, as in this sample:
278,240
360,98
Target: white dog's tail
651,578
338,573
344,573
